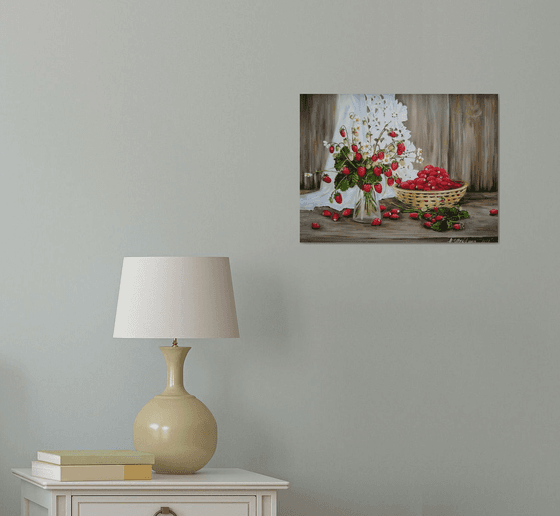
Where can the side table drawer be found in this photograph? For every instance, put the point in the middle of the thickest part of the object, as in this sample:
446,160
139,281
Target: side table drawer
149,505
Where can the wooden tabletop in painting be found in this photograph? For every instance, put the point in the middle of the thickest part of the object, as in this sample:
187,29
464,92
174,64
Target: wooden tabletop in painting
479,227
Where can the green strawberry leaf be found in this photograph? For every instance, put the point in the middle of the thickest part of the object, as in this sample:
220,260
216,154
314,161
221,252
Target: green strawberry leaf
442,225
343,184
341,158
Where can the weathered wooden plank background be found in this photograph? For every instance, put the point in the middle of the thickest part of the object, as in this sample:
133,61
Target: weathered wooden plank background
317,119
428,122
457,132
473,137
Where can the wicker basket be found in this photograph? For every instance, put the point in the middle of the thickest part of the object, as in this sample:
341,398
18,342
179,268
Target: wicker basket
425,199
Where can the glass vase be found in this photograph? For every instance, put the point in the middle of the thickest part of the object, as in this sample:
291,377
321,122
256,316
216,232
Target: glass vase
367,207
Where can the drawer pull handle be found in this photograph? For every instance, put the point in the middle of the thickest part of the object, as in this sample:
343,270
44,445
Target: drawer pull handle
165,510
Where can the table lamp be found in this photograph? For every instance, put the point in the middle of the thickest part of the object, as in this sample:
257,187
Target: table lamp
173,298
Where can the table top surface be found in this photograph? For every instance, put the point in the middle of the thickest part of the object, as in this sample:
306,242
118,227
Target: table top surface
479,227
205,479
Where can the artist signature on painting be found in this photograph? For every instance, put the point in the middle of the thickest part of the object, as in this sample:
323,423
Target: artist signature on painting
472,240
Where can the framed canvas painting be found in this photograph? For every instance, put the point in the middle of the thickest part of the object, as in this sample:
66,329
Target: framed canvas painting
398,168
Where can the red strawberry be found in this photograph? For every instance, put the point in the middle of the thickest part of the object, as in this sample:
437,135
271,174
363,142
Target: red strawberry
394,216
326,213
377,171
345,171
374,157
380,155
427,216
335,216
398,180
331,149
314,225
346,212
358,156
394,165
439,217
390,181
493,212
413,215
457,226
361,171
378,187
395,210
436,208
382,207
387,214
376,222
342,133
354,148
388,172
338,198
367,188
428,224
392,134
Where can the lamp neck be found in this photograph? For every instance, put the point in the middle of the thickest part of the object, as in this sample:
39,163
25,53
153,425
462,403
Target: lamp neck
175,359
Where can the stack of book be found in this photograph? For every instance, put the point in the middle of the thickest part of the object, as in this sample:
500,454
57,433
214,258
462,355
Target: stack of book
76,465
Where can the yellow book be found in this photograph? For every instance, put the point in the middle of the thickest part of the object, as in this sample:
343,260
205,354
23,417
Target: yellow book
91,471
75,457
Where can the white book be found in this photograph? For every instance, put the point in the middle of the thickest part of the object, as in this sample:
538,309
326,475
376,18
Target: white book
72,457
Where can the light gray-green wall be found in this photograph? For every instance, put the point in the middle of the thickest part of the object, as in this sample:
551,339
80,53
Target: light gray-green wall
380,380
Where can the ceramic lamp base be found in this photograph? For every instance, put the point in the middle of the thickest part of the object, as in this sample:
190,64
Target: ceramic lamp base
175,426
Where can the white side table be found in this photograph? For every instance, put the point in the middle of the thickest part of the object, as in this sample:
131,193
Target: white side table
209,492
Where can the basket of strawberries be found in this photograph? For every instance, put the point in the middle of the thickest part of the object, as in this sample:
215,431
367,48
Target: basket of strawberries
430,188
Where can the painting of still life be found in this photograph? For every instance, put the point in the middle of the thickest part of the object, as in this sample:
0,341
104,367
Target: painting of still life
399,168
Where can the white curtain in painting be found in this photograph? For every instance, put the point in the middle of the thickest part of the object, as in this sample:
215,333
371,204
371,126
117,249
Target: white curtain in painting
379,108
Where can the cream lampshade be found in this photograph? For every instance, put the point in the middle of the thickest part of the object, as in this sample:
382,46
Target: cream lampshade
174,298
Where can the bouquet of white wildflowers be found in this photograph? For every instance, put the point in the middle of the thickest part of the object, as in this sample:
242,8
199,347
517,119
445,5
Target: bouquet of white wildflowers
374,151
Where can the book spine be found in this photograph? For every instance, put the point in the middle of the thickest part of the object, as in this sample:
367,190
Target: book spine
91,472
